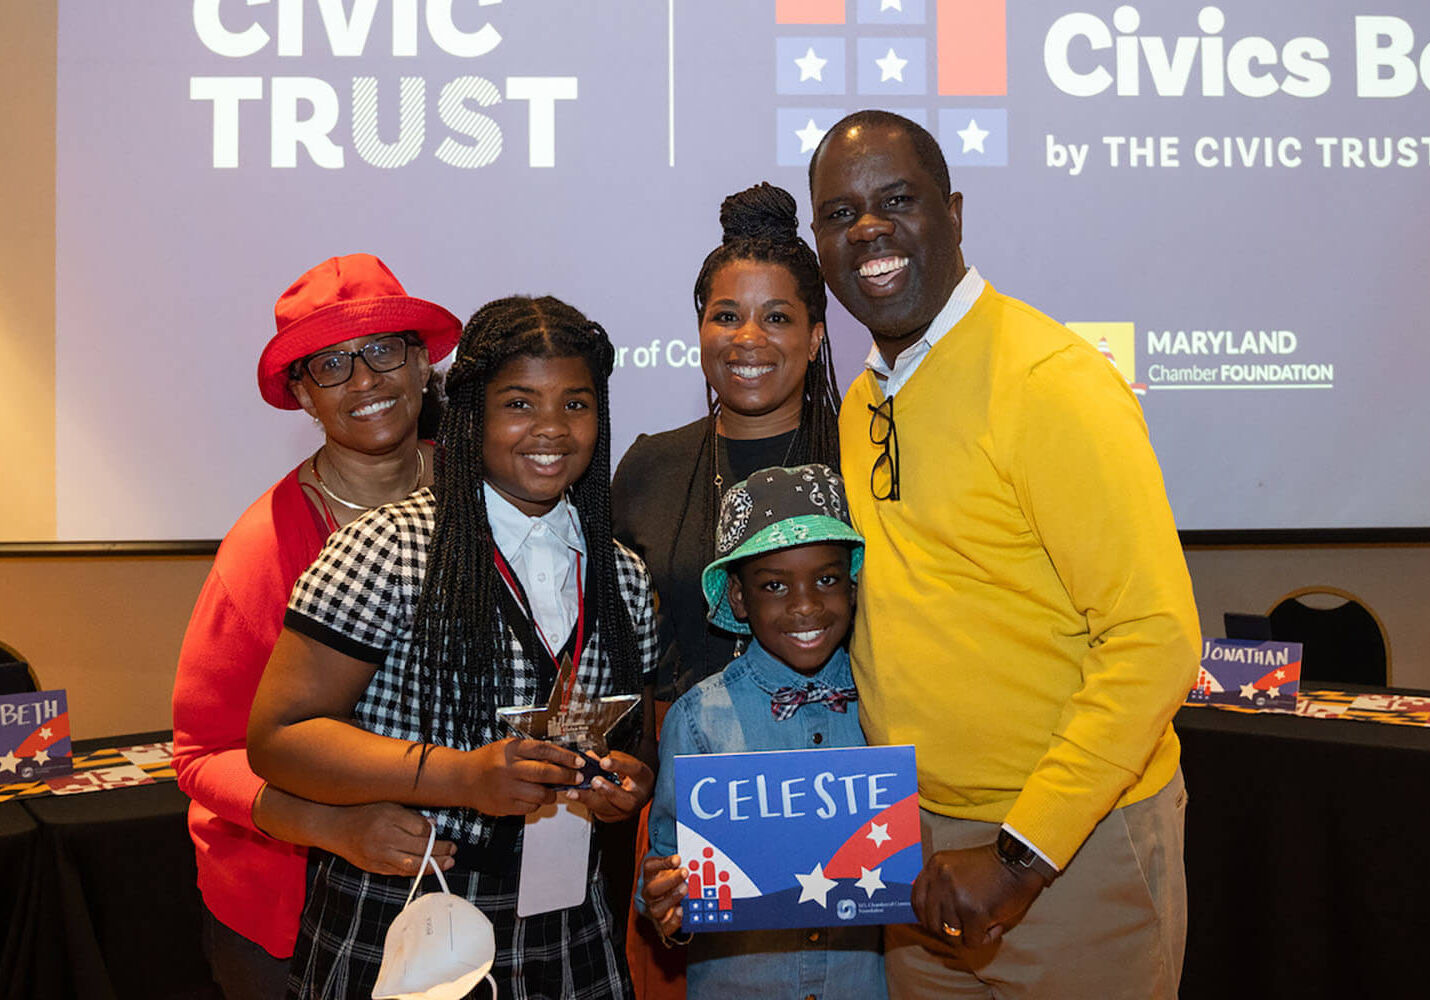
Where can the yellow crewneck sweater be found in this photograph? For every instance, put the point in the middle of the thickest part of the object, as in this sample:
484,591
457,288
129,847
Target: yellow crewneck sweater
1025,616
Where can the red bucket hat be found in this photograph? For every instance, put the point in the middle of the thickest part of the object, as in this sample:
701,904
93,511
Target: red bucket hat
345,297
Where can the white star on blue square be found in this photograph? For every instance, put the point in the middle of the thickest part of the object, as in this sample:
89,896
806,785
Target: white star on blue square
892,11
798,131
892,65
974,137
806,65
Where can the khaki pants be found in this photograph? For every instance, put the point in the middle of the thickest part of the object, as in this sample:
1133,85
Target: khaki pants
1113,926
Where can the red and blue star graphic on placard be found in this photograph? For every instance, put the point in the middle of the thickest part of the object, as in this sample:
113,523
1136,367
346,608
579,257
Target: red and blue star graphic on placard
888,833
1237,673
34,736
846,822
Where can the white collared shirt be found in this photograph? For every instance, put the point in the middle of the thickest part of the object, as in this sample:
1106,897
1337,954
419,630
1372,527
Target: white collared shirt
891,380
542,552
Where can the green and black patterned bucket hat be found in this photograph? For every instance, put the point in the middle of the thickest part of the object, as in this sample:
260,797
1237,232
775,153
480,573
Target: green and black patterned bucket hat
776,509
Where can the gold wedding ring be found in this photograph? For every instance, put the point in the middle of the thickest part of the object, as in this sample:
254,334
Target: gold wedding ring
952,931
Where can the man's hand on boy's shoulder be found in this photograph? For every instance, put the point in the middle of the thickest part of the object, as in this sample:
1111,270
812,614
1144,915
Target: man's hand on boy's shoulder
663,889
611,802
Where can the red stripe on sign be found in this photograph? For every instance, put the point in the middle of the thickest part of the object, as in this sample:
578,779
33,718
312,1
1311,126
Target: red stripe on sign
972,48
809,11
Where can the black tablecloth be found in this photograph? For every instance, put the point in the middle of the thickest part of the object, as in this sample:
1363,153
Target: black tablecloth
106,904
1306,871
1306,856
19,842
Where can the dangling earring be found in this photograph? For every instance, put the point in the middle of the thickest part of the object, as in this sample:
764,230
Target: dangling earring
317,423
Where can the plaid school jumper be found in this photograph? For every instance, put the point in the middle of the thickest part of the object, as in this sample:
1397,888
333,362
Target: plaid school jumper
358,598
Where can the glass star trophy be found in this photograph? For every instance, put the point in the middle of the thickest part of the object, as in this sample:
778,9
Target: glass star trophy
573,719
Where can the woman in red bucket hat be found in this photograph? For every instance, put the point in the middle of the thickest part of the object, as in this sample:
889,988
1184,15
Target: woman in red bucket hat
355,351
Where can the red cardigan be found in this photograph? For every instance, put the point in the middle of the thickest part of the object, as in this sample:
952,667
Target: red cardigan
250,882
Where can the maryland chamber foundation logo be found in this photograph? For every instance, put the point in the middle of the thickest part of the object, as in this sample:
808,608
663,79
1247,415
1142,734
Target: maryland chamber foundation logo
907,56
1252,359
1117,342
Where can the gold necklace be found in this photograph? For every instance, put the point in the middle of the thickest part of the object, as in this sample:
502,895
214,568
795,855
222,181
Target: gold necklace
318,476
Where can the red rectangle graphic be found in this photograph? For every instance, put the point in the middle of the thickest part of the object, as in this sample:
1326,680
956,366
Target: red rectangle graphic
972,48
809,11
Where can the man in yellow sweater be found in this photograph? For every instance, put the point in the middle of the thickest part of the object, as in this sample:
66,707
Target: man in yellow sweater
1025,615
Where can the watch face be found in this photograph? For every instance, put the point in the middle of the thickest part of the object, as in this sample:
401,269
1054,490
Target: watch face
1012,850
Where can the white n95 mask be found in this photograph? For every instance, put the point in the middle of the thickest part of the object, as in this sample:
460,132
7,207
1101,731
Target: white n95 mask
438,948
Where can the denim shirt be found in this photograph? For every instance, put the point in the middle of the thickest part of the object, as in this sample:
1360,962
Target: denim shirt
731,712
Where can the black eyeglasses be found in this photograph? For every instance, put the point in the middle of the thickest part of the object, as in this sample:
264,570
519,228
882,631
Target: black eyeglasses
330,368
884,434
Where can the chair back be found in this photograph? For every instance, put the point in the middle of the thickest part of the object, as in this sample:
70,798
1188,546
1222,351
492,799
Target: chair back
1343,641
16,677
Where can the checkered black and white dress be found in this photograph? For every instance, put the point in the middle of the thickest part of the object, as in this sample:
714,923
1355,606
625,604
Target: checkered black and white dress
358,598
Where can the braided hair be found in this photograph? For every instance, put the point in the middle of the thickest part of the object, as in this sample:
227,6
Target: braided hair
456,665
761,224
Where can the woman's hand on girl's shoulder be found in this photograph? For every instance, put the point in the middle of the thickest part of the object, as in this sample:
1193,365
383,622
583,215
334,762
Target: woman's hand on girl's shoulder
663,888
610,802
518,776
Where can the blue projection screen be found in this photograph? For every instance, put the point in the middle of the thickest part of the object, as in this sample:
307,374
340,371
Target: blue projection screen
1229,199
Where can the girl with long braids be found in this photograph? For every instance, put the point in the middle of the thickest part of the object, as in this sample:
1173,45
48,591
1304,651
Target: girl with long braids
423,617
772,400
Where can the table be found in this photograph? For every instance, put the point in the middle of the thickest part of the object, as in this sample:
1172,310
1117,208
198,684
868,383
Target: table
1306,855
105,902
19,840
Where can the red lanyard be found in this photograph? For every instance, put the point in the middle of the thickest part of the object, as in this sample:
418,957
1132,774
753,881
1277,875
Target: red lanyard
510,579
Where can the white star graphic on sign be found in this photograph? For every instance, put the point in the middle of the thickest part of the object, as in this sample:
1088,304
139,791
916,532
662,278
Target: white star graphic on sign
811,67
815,886
973,137
1247,691
1274,692
870,881
890,5
45,733
809,136
9,761
1280,675
878,833
891,67
42,756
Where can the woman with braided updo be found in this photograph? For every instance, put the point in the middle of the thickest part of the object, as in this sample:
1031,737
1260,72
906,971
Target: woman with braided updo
423,617
771,401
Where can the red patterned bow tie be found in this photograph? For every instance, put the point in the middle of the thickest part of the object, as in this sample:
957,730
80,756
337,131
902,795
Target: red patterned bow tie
786,700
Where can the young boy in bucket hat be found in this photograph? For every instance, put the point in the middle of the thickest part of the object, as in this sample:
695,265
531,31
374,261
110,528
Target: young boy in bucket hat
786,561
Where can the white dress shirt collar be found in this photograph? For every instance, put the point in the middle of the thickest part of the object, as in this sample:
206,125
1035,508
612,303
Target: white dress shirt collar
545,553
511,528
892,378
